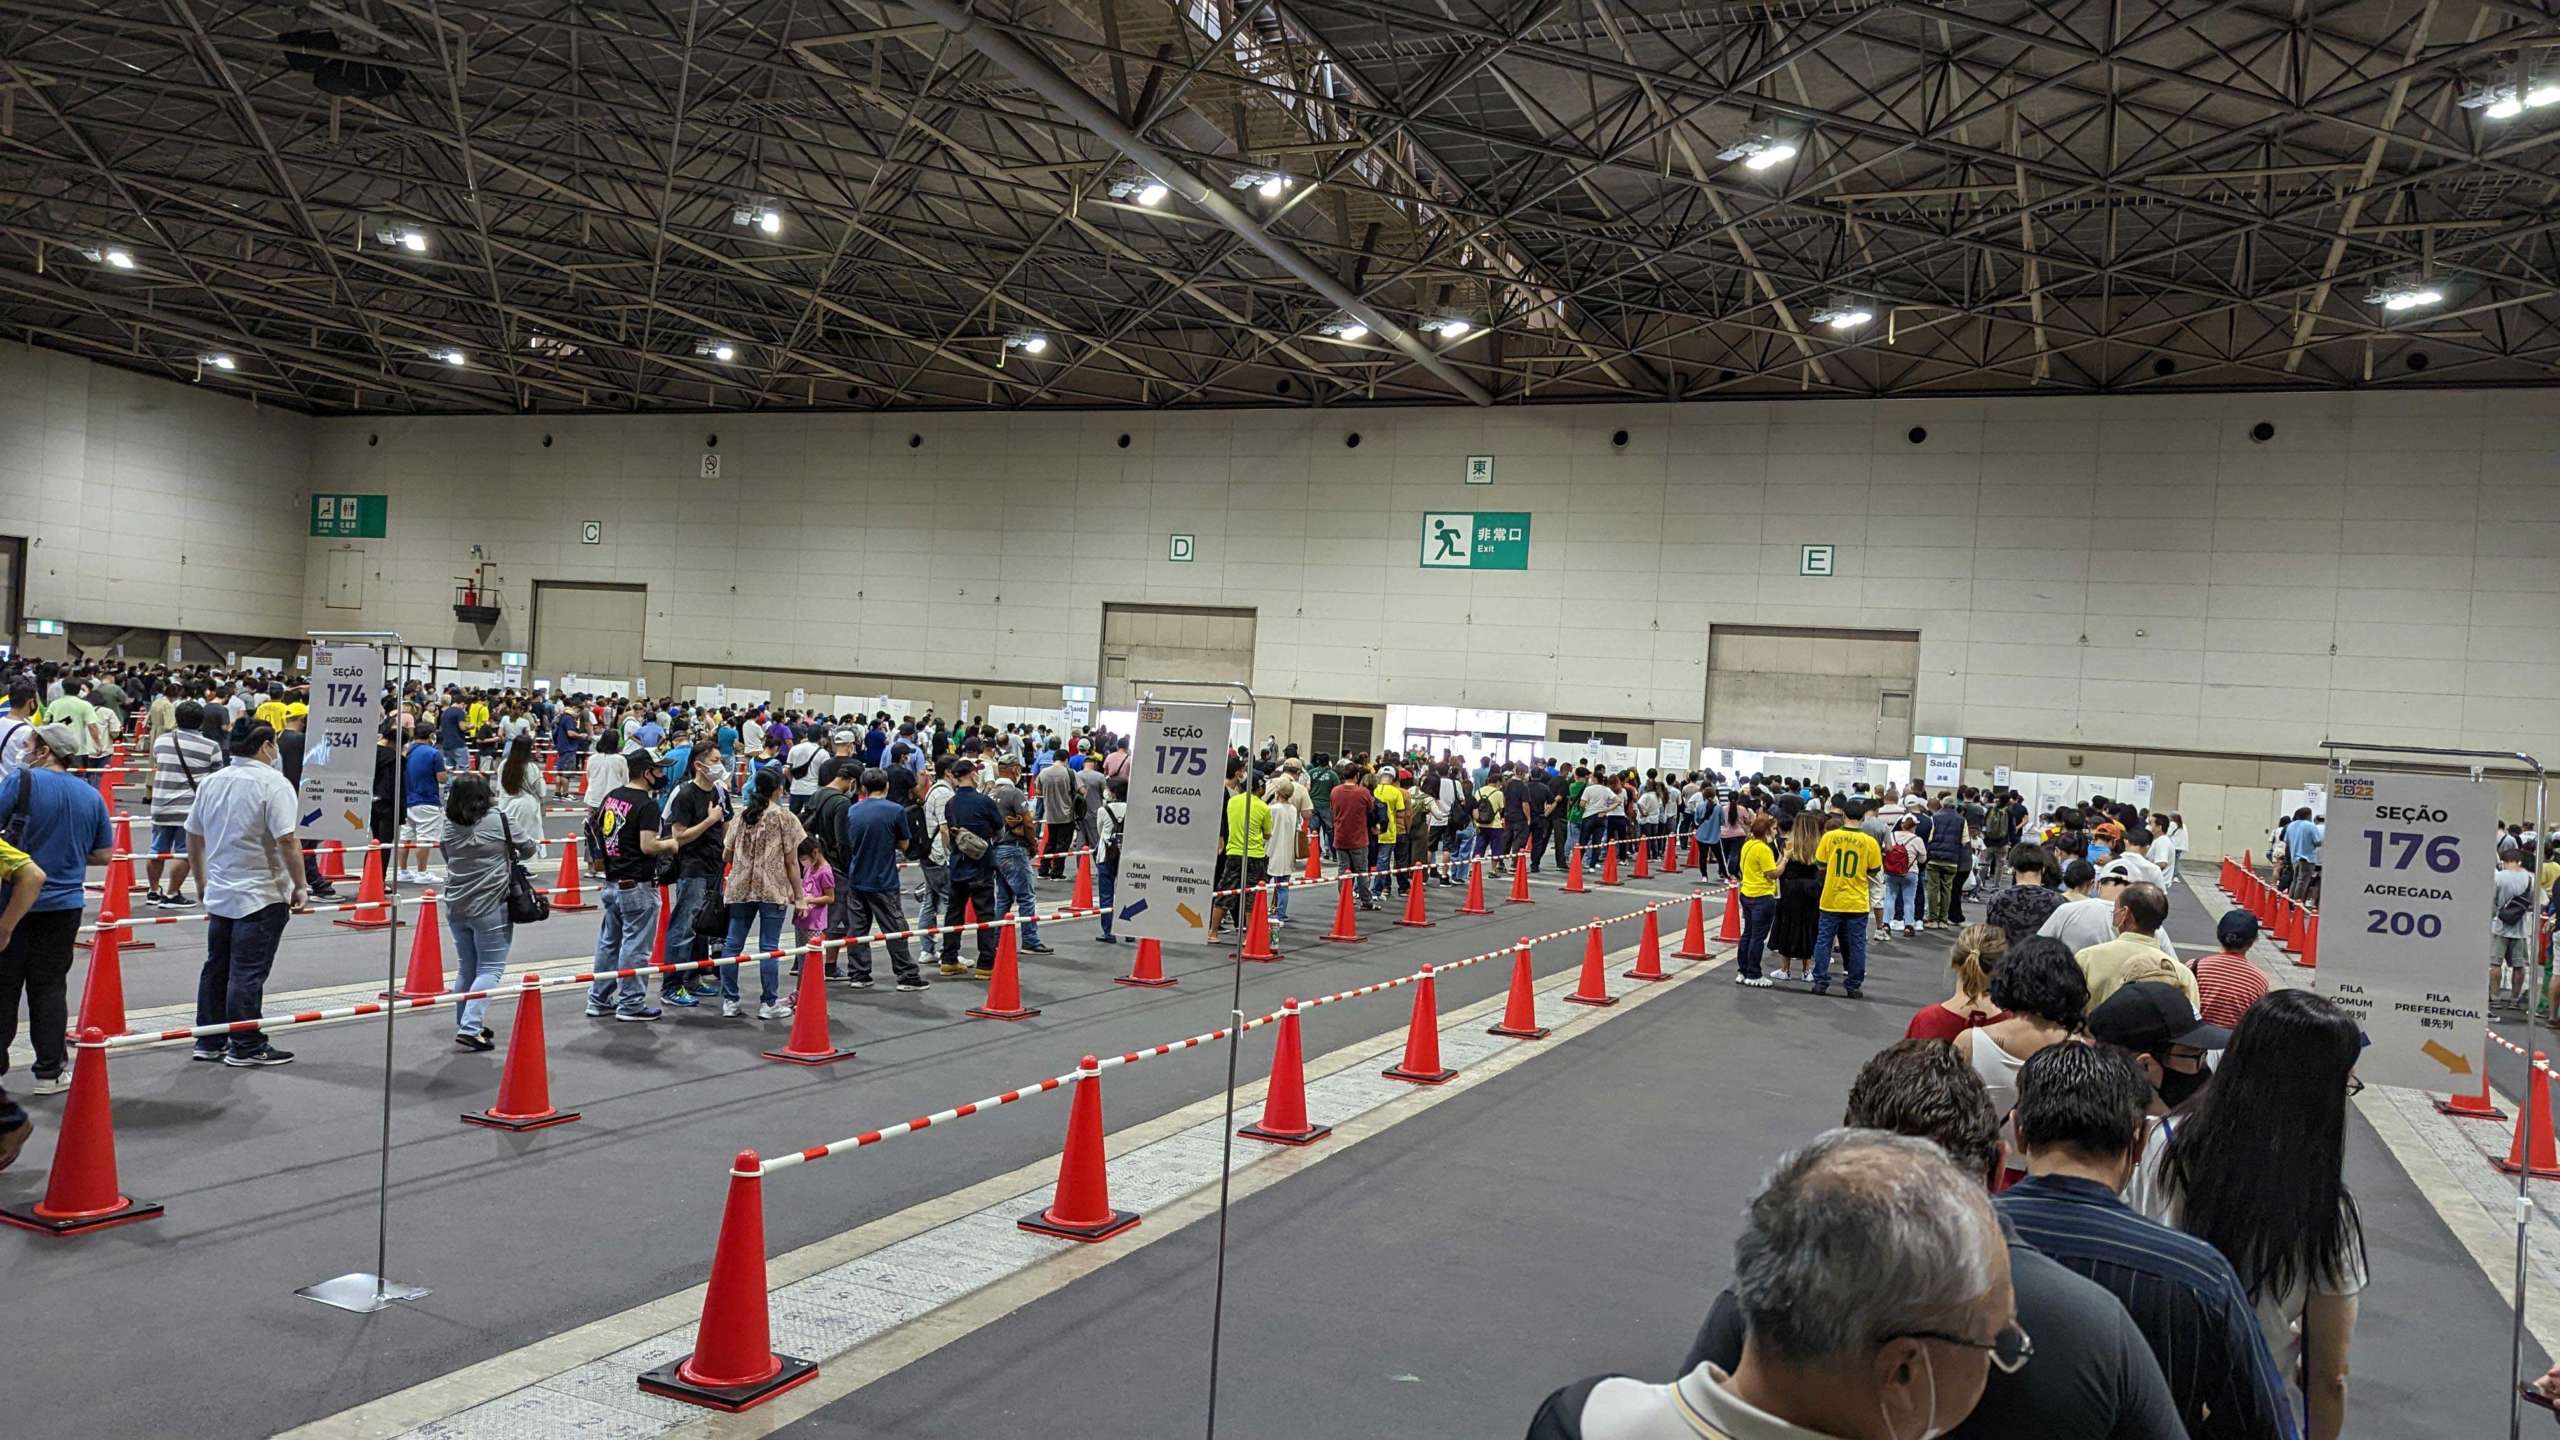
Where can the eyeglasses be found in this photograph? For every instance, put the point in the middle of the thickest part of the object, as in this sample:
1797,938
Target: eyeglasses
2355,1084
2010,1348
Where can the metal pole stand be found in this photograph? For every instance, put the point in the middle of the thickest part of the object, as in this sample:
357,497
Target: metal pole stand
365,1291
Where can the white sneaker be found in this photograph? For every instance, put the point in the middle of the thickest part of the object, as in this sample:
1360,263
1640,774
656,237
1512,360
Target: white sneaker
731,1009
774,1012
54,1086
1762,983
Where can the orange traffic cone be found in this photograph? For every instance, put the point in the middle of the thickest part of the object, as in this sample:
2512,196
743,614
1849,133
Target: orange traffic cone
1417,907
1594,989
1693,936
1573,873
1519,887
1080,1209
1346,919
107,781
1670,854
117,893
565,892
2483,1106
426,954
370,913
2310,958
80,1193
658,946
524,1087
1649,948
1609,864
1644,866
733,1366
102,995
1004,988
1421,1064
1284,1102
1257,929
1475,889
1520,1008
1730,928
810,1043
2536,1151
1149,971
333,860
1082,898
1315,862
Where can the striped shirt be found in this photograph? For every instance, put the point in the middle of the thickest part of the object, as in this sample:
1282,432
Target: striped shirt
2182,1294
2227,985
173,792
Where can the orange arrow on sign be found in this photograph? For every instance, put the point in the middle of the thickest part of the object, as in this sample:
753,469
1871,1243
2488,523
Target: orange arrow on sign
2458,1064
1189,916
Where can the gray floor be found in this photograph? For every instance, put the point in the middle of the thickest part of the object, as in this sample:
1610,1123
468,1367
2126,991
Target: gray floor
268,1175
1572,1217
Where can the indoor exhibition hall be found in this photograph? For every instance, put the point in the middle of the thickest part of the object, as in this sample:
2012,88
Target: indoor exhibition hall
747,716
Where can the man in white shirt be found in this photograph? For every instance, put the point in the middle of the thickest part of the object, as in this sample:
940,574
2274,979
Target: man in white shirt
18,730
245,854
801,764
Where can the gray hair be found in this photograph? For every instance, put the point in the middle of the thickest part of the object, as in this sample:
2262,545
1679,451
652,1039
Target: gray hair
1857,1237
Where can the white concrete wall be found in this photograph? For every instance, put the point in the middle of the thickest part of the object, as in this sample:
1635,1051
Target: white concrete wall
151,504
2133,572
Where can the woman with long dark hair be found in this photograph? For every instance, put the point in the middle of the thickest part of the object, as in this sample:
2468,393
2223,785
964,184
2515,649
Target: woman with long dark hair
763,854
2257,1168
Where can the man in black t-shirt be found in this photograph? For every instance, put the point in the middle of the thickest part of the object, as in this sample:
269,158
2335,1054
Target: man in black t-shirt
623,845
697,820
1518,825
1541,801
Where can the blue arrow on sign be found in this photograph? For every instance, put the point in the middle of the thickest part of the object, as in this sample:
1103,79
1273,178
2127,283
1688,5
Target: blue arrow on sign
313,818
1132,910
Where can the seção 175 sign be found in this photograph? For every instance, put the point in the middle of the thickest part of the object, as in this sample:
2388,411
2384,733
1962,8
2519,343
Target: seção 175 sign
2405,886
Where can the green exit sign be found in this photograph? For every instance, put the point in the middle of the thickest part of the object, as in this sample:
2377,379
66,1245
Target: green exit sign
350,517
1475,540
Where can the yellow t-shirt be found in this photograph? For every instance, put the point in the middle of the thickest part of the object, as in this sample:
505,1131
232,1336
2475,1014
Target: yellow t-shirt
475,717
1391,795
1848,858
1492,795
1248,826
1759,869
13,860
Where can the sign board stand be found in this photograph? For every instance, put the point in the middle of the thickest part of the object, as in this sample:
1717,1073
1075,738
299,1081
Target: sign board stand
348,683
2407,849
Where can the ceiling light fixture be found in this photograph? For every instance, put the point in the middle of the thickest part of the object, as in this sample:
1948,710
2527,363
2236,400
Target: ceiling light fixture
1450,327
2404,292
1844,314
758,214
406,237
218,362
1349,332
2505,101
1140,189
1029,342
1265,183
112,256
550,346
453,357
715,349
1760,152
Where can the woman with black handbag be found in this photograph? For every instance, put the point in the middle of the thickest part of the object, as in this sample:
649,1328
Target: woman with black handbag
483,856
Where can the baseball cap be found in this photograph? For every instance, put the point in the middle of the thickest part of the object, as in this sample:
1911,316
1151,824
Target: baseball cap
641,759
61,739
964,767
2237,930
842,736
2116,870
2152,1016
296,708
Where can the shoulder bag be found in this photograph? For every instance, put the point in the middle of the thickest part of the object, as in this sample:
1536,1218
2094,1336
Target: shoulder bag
526,904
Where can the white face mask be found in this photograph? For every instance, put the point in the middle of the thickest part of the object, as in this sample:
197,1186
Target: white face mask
1930,1429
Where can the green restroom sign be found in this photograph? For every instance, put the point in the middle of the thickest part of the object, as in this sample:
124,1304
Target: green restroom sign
1475,540
350,517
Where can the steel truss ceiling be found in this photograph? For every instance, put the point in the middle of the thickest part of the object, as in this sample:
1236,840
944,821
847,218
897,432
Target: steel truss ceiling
2080,196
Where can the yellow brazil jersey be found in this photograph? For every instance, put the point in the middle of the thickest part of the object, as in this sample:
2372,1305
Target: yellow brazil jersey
1759,869
1248,826
1391,796
1848,858
13,860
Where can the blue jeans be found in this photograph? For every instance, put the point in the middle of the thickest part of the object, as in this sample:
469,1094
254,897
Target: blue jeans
480,961
767,915
1279,897
1852,930
688,896
1323,830
1759,912
233,984
1353,860
623,939
457,760
1902,898
1013,888
1106,879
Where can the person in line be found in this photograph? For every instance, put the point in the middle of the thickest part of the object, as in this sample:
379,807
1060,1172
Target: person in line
1061,811
1015,887
26,880
1800,886
2079,1117
2155,1025
1244,853
825,823
482,845
1282,845
2137,953
2257,1169
2029,901
2228,982
1350,799
1758,896
2040,987
1111,818
2511,929
2088,915
1874,1291
626,839
424,772
971,824
809,935
2092,1376
1906,860
697,817
875,833
181,761
245,852
1387,829
65,831
1975,957
761,859
1849,860
1948,857
2302,838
